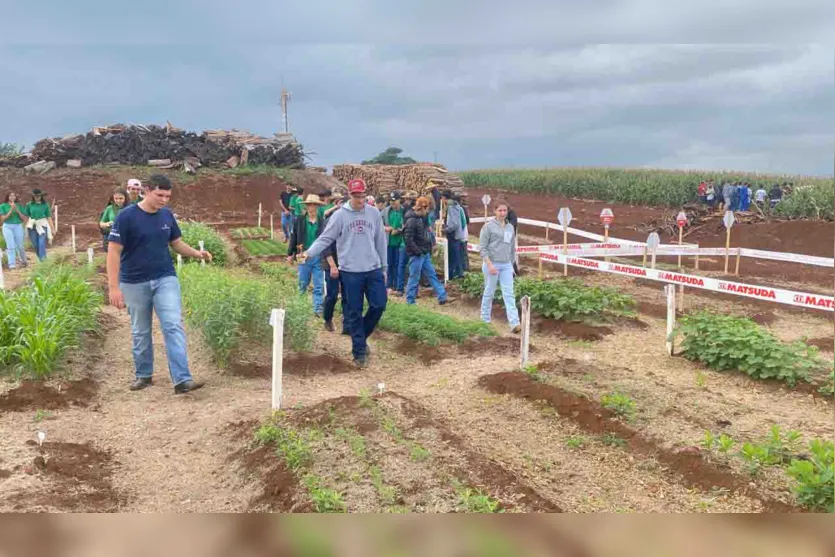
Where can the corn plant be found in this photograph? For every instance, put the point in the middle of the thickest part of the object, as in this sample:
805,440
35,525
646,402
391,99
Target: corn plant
644,187
228,306
724,342
39,323
193,232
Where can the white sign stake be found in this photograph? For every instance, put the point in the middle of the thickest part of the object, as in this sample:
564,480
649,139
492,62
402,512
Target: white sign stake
259,215
55,217
486,201
89,256
201,244
41,438
564,218
670,290
380,388
446,262
72,228
277,323
653,241
272,228
179,262
681,221
526,330
728,220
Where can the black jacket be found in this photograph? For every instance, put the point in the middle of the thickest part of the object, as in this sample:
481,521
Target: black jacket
298,236
416,234
512,218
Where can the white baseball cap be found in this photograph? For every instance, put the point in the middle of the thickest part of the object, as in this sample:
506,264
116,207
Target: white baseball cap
134,182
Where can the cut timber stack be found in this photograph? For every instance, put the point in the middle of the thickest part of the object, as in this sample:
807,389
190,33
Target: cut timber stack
135,144
382,178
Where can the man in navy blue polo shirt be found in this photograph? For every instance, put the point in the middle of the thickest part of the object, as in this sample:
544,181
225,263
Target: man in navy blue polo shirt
140,274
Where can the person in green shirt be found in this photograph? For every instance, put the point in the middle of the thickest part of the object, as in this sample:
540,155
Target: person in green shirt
307,228
393,222
297,203
13,216
327,200
40,223
117,202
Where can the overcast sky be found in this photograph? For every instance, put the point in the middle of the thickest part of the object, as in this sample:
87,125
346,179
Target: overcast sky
474,85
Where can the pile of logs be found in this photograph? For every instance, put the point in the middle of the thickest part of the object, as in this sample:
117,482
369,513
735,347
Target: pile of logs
382,179
166,147
699,216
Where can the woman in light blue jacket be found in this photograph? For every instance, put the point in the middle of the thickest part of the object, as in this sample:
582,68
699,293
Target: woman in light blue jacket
497,246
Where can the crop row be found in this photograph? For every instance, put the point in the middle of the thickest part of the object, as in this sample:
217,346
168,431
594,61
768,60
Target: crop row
254,232
260,248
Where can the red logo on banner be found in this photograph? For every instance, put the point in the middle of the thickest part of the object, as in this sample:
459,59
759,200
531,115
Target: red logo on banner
629,270
751,290
814,301
584,263
681,279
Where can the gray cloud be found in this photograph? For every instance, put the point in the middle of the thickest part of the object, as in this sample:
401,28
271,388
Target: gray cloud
433,84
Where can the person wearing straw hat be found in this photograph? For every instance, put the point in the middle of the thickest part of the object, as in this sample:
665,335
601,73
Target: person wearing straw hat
40,224
305,231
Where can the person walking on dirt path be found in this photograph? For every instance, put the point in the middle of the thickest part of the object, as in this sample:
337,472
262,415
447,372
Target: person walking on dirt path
455,229
465,255
297,205
393,222
513,219
13,218
357,229
305,232
702,192
497,246
39,224
744,191
710,195
141,276
419,250
284,201
435,207
776,195
333,282
327,203
134,188
761,196
117,202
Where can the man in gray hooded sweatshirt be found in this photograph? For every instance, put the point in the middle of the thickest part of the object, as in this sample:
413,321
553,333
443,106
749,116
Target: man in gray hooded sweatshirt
360,237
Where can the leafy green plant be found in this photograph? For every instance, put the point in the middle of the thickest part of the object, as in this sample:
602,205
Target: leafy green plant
619,403
612,440
575,442
193,232
325,499
828,388
354,440
725,443
266,247
814,476
228,306
477,501
567,299
709,440
419,453
814,202
387,493
532,371
41,415
41,322
253,232
430,327
724,342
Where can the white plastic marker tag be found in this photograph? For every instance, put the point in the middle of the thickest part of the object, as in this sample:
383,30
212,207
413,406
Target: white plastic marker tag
90,256
564,216
607,216
486,200
41,438
202,261
381,387
681,219
729,219
653,241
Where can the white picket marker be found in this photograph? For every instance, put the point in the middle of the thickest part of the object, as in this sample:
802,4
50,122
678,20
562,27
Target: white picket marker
179,262
670,290
526,331
381,387
201,244
89,256
277,323
72,228
55,218
272,229
653,241
446,262
41,438
259,215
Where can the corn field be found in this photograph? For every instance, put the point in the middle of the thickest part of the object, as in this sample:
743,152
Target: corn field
665,188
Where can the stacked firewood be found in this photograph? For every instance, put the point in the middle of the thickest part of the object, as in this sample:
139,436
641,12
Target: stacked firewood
699,216
168,147
382,179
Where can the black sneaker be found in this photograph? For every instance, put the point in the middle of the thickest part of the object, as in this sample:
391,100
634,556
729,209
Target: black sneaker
187,386
140,383
329,326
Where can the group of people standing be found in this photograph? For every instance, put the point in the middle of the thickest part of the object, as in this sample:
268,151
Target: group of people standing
738,195
34,217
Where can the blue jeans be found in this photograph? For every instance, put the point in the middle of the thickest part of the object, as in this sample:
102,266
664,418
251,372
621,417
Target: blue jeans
38,242
454,249
397,267
333,290
356,287
13,234
505,279
163,297
423,264
312,270
287,224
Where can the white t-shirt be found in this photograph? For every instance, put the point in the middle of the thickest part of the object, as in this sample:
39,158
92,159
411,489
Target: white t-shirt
761,195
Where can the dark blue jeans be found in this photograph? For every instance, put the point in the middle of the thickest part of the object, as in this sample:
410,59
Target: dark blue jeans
334,288
423,264
356,288
397,268
456,268
39,242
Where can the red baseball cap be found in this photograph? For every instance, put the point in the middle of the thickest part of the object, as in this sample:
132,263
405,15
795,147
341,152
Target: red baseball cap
356,186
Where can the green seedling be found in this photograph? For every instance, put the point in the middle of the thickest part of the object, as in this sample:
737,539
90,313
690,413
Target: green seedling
620,404
575,442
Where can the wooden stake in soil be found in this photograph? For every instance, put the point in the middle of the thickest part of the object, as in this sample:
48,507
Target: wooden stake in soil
259,215
728,221
670,290
653,241
564,218
446,262
525,304
606,217
738,255
72,228
697,261
55,217
202,261
277,323
681,221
